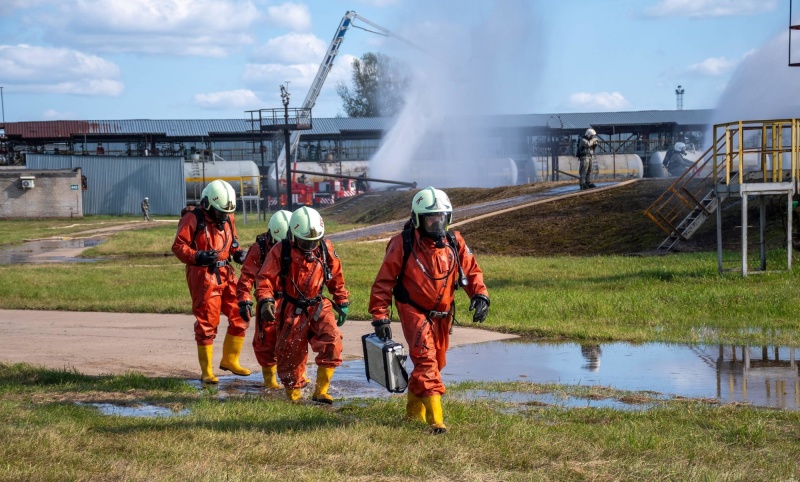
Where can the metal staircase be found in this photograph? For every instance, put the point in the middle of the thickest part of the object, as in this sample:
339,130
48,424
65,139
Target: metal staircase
687,203
691,222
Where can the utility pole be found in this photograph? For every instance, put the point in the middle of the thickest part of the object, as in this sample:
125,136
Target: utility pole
2,101
287,143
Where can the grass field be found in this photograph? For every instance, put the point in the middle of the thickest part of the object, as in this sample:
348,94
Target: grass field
679,298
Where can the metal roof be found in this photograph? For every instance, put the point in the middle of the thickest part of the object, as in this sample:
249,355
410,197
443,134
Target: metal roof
338,125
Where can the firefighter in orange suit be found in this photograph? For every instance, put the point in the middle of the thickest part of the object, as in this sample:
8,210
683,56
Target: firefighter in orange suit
265,333
304,316
205,242
423,288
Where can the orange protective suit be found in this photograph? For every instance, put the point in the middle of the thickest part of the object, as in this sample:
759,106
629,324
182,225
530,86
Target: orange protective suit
213,289
428,335
266,333
299,325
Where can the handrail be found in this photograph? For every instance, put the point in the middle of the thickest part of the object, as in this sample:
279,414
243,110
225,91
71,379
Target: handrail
733,145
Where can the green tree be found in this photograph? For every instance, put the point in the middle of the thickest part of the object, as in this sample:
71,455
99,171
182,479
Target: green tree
379,85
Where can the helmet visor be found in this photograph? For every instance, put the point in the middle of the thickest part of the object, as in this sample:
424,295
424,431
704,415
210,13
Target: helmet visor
434,225
306,244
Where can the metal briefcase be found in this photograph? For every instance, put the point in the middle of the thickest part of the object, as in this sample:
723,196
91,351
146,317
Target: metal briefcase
384,363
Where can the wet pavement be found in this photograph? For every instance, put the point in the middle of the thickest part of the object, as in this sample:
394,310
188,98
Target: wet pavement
760,376
49,251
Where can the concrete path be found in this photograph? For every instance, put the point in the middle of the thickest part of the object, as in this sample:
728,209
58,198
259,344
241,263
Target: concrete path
155,345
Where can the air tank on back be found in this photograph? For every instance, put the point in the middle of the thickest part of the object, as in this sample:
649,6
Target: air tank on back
241,175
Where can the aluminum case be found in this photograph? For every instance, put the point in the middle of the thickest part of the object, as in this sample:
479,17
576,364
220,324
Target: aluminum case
384,363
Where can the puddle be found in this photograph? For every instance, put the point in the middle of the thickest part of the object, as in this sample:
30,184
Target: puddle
49,251
760,376
574,187
550,399
135,411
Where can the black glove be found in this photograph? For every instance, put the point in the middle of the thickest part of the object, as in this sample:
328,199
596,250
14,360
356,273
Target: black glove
383,329
480,304
238,256
205,258
266,309
246,310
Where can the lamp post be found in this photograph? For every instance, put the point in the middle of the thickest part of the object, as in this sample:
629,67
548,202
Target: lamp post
287,142
3,103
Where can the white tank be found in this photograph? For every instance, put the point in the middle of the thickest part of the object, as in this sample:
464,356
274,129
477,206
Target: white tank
242,176
348,168
609,166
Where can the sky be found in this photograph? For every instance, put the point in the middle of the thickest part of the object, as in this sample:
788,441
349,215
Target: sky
216,59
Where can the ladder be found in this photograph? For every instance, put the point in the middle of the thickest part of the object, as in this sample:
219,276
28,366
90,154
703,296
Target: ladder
692,222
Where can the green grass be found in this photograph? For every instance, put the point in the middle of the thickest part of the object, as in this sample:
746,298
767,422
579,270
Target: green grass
680,298
675,298
263,437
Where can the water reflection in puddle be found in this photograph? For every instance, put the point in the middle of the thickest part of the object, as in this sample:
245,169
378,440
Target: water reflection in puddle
761,376
135,411
49,251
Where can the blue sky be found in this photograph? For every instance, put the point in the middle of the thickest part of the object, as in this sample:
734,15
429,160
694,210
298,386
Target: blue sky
215,59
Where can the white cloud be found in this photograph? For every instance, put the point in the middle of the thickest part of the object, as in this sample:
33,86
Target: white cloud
231,99
58,71
294,16
267,78
183,27
52,114
712,67
600,101
291,48
709,8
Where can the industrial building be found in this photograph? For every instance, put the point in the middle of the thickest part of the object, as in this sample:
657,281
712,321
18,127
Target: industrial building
122,161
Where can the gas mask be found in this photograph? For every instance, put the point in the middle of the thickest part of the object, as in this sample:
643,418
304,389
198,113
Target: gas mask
218,216
434,225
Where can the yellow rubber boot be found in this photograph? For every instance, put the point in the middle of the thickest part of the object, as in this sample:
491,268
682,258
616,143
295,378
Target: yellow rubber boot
433,406
415,409
294,394
204,354
230,355
324,375
271,377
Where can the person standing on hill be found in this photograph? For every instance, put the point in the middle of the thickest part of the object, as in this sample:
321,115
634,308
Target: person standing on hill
265,335
424,289
297,270
146,209
586,148
205,241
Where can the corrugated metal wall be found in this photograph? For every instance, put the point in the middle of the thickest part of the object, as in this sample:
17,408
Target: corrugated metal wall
117,185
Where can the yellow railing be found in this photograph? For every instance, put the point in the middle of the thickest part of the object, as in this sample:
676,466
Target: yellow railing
740,150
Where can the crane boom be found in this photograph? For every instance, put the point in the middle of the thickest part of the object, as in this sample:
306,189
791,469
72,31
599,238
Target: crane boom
322,73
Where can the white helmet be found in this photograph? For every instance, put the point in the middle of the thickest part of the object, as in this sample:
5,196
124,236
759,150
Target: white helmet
307,227
219,195
590,132
146,198
680,146
428,202
278,225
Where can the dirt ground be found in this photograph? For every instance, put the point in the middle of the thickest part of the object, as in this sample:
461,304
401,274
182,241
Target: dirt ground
151,344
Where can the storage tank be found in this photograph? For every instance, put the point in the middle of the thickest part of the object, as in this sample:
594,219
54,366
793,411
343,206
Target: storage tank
348,168
493,172
609,166
242,175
